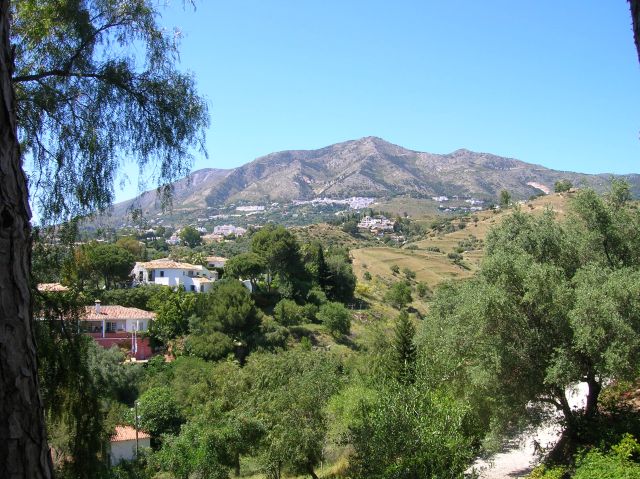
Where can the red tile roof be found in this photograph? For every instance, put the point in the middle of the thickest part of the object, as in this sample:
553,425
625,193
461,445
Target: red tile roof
127,433
116,312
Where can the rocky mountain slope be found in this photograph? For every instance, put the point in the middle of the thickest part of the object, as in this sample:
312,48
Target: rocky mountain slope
366,167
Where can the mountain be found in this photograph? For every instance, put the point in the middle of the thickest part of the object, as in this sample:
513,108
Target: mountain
366,167
187,193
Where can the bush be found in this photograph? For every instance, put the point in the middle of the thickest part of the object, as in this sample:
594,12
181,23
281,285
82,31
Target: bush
409,274
399,295
367,276
423,290
288,313
395,269
335,317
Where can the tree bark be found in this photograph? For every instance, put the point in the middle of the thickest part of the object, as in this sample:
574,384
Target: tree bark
312,473
24,452
591,408
635,17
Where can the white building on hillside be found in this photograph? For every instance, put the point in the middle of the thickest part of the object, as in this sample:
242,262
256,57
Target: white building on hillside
226,230
216,262
166,272
380,223
123,445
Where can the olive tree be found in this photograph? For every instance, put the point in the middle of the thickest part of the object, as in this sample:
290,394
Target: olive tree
553,304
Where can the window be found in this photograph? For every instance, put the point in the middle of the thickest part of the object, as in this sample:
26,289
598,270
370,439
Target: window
193,288
202,288
162,274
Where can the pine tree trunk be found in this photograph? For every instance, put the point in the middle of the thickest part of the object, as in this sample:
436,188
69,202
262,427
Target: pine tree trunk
312,473
24,452
635,17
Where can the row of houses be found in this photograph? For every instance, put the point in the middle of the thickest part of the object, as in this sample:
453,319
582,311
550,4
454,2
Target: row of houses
376,223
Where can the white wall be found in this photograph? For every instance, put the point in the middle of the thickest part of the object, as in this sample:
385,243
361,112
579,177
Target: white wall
126,450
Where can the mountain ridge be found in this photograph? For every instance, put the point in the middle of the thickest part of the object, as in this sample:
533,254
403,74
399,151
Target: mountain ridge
369,166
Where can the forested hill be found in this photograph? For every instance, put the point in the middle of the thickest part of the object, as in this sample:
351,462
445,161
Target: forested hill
366,167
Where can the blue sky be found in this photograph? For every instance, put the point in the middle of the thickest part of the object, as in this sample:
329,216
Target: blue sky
548,82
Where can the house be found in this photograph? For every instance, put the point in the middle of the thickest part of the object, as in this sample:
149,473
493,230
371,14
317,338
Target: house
376,224
226,230
166,272
123,444
216,262
119,326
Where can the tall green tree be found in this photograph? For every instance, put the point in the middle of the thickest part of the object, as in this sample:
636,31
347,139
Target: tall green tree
281,253
190,236
553,304
80,103
226,316
404,348
246,266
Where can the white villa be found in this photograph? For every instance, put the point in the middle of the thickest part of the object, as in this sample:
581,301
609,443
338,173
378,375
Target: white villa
226,230
376,223
216,262
123,444
166,272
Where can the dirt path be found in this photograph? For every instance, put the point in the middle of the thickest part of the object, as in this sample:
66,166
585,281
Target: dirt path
521,456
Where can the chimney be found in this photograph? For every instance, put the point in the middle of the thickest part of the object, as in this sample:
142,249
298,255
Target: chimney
97,306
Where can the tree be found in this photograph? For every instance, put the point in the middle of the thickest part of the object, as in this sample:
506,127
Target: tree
313,256
288,313
227,309
132,245
281,253
553,304
409,432
198,451
635,17
111,262
173,308
404,349
505,199
562,186
340,281
335,317
86,107
399,294
158,412
24,451
286,393
190,236
246,266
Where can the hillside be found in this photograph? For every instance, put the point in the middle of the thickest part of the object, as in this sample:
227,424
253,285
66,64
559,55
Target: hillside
368,167
428,258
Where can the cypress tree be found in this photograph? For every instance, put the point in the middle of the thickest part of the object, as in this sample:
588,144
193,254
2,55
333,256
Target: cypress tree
404,349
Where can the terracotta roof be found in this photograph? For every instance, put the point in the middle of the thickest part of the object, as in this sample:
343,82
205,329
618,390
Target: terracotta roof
116,312
127,433
212,259
52,287
166,263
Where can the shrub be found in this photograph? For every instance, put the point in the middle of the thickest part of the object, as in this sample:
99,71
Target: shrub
335,317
